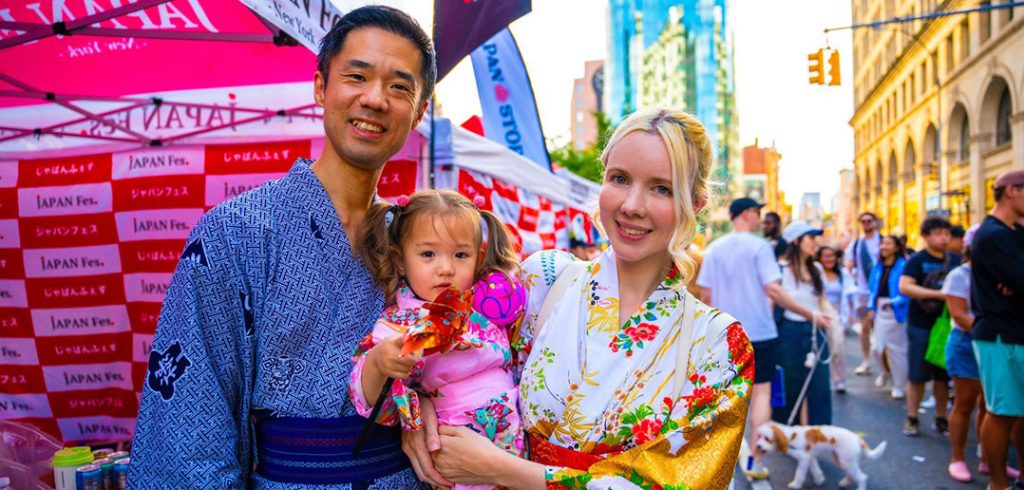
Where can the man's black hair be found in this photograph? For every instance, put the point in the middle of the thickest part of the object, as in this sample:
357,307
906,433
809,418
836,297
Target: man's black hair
388,19
934,223
998,192
957,231
868,213
773,215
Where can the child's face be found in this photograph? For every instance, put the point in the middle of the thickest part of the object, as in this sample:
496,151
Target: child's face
439,253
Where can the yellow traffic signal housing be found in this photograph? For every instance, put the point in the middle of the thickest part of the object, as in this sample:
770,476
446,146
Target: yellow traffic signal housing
817,67
833,68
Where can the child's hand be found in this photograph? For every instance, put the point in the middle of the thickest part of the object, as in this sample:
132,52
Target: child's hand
386,357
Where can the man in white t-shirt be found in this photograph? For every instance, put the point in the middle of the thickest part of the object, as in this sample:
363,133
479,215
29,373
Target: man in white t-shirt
739,275
861,255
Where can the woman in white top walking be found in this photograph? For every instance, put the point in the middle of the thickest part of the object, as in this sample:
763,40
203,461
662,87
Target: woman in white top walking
839,287
803,342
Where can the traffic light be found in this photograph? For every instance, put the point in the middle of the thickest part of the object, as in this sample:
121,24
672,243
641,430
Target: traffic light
833,68
817,67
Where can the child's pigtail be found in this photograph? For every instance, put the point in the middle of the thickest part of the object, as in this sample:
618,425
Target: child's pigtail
379,248
499,254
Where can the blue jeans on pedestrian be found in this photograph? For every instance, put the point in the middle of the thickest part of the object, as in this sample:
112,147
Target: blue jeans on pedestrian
794,344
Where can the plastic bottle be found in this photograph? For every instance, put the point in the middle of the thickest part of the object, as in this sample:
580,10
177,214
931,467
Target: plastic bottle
65,462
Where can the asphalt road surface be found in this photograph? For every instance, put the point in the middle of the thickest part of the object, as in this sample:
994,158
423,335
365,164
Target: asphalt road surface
908,463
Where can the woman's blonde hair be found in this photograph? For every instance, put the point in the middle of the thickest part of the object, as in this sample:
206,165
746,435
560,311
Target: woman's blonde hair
691,158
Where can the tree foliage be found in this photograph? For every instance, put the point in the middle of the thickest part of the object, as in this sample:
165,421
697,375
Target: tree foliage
586,162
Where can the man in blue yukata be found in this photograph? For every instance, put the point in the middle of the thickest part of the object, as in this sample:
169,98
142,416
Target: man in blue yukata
247,380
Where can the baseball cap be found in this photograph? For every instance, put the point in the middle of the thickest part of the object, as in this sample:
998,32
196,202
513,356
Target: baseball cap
798,229
1012,177
742,204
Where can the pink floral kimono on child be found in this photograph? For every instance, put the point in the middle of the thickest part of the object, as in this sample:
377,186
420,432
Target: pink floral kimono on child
470,384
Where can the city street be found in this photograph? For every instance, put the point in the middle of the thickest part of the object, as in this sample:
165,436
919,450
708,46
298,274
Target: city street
908,463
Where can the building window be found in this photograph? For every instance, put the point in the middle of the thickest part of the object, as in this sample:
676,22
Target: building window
984,21
893,176
924,77
949,55
964,152
965,40
1003,134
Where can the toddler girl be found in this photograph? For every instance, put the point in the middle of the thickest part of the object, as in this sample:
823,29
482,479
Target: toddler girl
427,254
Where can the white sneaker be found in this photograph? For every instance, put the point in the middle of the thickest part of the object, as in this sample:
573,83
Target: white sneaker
881,379
840,386
862,369
897,394
929,403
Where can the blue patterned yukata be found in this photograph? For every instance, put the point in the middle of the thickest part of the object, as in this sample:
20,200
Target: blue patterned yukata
252,353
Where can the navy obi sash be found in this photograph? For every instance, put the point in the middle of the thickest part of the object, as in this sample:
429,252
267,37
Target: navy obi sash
319,451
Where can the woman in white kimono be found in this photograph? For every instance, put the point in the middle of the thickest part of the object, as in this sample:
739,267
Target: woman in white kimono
627,380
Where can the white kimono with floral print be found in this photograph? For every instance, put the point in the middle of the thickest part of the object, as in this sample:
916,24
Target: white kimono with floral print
594,386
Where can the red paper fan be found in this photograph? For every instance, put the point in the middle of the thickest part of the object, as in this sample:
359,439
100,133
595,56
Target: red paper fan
446,320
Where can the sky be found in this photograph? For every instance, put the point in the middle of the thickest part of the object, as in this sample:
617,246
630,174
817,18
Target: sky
808,124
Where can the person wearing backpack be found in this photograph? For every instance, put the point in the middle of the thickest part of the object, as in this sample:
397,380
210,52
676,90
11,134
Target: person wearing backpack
861,256
922,281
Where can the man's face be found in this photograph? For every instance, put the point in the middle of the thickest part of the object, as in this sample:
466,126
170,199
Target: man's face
956,244
938,239
771,225
1015,196
371,98
753,217
868,223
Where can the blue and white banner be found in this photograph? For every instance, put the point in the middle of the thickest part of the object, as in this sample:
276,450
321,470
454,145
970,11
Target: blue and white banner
506,98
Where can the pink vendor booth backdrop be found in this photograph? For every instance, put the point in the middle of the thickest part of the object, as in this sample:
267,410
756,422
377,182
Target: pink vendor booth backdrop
93,216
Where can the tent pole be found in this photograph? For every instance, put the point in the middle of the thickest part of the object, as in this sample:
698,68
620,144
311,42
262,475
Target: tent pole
431,176
70,26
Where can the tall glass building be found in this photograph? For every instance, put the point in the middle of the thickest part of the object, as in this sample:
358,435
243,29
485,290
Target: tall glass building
675,53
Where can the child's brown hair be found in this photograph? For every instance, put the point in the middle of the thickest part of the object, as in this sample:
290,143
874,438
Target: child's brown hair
387,226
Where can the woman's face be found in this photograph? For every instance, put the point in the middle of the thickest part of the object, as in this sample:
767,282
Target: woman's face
886,248
828,258
808,247
636,202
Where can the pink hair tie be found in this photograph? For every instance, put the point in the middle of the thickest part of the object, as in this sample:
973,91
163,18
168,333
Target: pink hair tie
402,201
479,201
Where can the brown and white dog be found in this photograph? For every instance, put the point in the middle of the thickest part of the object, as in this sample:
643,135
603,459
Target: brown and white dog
806,443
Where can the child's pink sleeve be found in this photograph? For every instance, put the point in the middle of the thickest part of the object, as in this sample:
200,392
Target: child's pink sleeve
403,403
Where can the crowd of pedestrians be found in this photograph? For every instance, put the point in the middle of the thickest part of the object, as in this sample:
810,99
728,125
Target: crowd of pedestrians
947,320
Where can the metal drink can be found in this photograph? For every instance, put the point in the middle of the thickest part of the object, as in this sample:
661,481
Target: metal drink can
121,474
107,466
101,453
89,477
116,455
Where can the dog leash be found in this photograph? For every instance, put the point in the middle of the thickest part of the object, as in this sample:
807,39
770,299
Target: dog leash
813,358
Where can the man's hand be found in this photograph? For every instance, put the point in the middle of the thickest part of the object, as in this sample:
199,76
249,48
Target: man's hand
387,359
418,445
